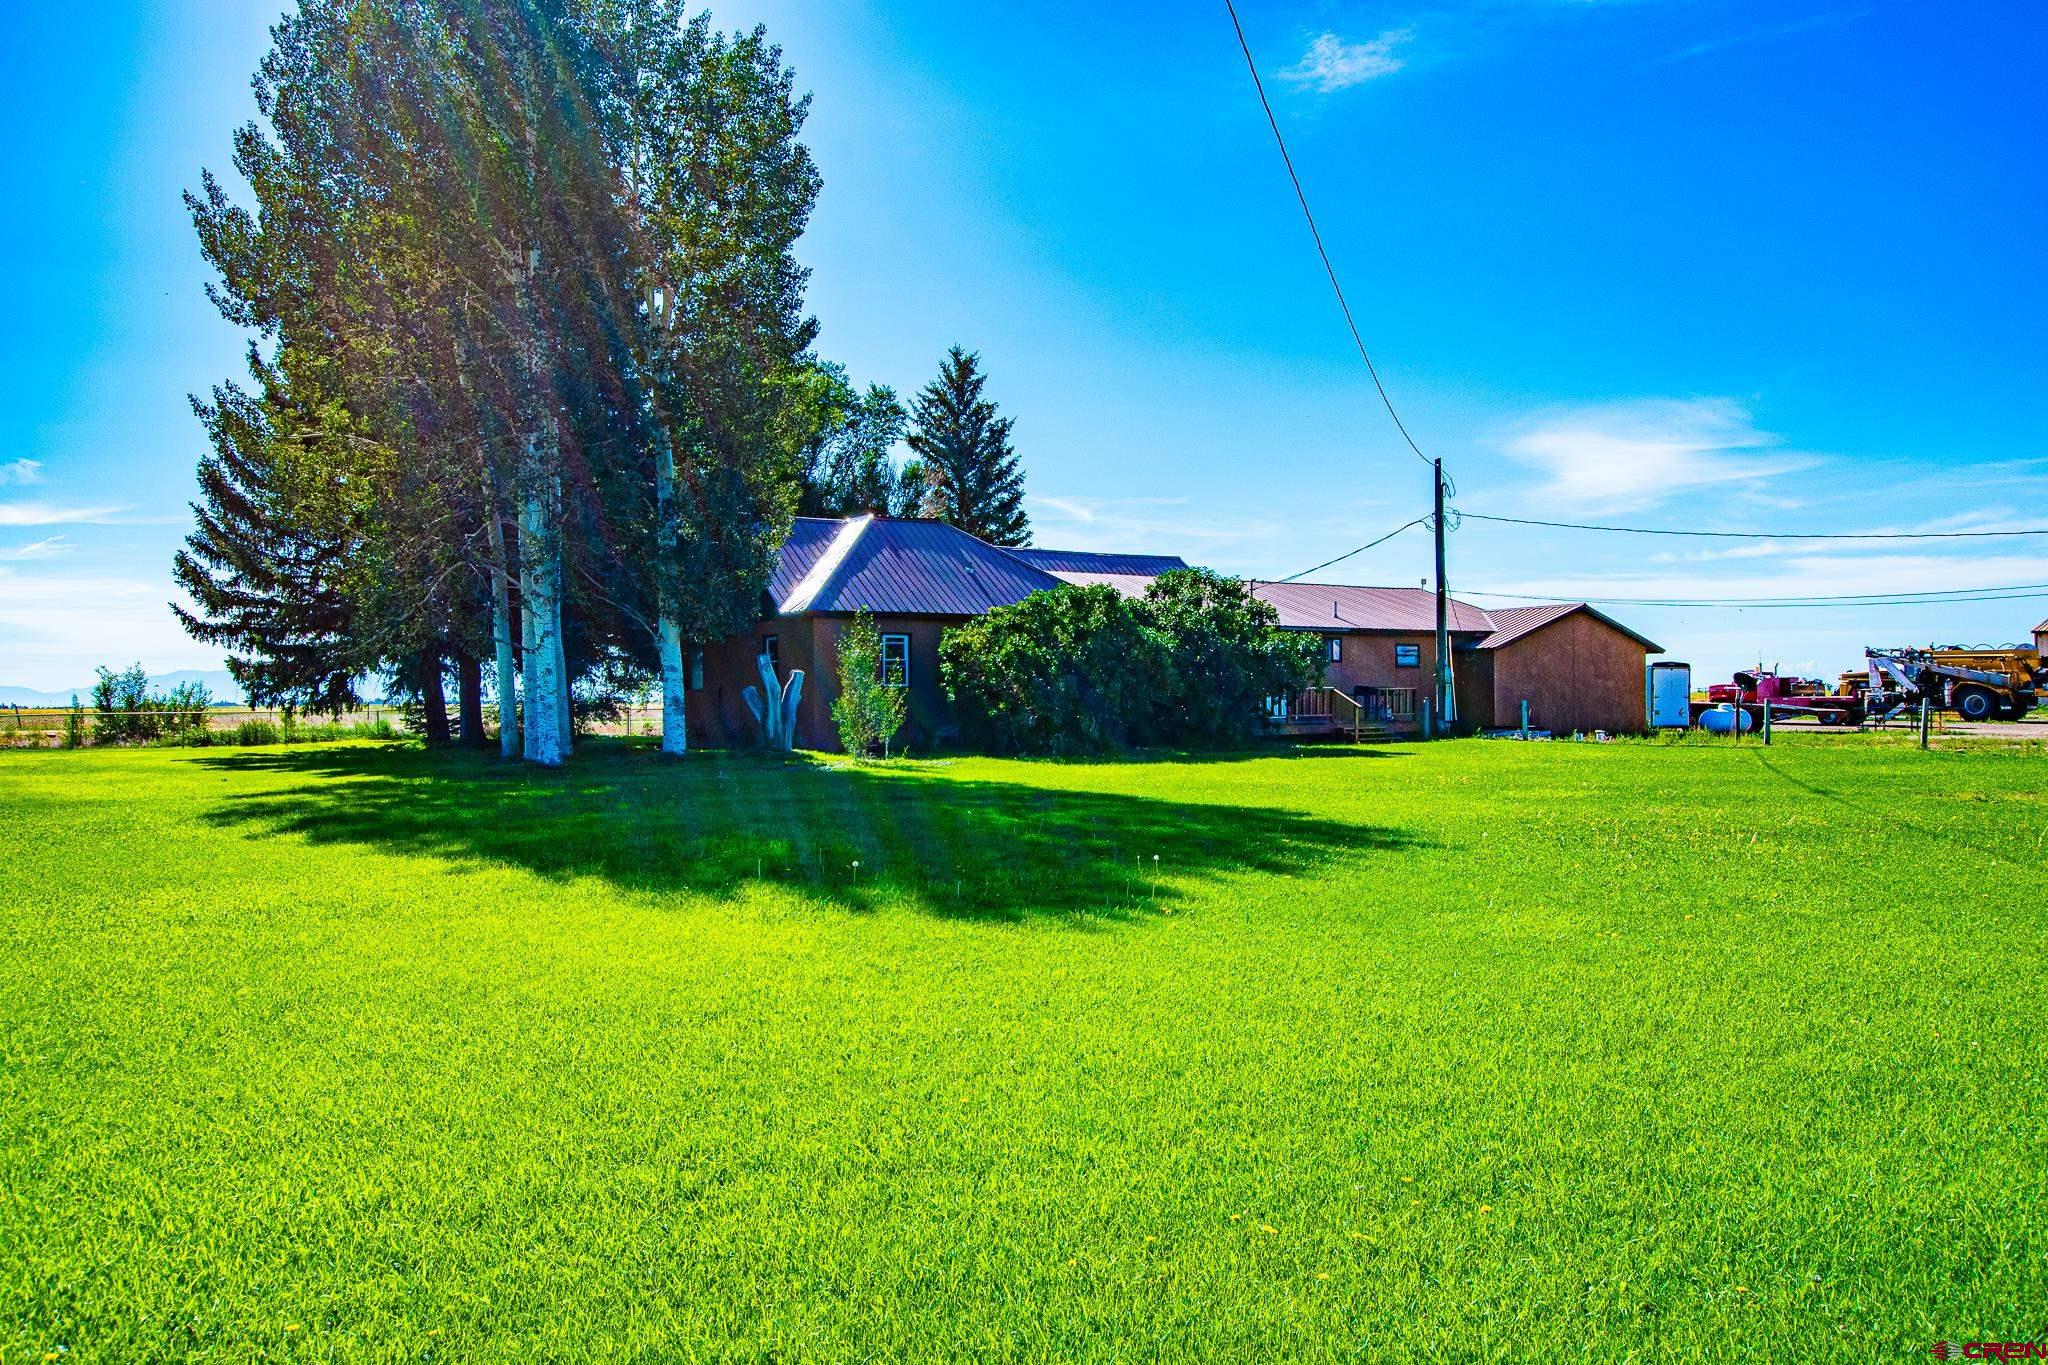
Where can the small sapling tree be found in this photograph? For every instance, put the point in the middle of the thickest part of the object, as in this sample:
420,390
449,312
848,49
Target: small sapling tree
869,709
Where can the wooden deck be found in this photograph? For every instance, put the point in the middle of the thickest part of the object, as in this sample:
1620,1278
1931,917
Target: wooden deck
1329,712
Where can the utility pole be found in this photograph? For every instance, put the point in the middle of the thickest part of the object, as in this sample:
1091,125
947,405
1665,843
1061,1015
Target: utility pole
1446,708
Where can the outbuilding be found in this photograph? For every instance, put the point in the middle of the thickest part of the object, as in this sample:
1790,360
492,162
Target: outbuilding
1579,669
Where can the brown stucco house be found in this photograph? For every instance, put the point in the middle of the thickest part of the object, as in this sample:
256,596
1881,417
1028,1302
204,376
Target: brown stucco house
916,578
2041,637
1577,668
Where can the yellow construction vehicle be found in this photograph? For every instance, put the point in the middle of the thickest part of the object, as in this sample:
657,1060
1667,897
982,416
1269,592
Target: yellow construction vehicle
1993,682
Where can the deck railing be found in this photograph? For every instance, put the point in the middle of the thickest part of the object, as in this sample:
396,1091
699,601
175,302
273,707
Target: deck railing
1331,708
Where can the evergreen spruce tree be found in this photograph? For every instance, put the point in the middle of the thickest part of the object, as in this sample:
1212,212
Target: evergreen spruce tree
971,474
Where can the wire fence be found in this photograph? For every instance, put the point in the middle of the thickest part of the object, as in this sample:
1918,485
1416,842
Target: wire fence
52,726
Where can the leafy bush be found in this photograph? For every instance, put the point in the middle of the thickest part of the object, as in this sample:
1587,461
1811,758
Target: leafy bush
868,711
1226,656
125,711
256,732
1067,671
76,735
1080,670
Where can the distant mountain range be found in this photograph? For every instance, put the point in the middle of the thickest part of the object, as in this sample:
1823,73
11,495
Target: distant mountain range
219,684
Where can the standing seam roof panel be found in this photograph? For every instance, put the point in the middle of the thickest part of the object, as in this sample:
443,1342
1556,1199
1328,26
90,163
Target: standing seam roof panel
1332,606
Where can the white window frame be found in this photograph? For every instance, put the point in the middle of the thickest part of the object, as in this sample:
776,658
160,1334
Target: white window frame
1336,648
771,645
1414,650
883,662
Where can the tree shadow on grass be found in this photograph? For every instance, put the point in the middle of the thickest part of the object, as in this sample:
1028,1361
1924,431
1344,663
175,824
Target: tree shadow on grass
716,823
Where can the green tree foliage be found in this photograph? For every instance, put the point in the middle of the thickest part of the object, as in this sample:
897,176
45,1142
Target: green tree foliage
1069,671
1081,670
844,441
719,188
1226,656
269,564
971,475
523,283
868,710
126,711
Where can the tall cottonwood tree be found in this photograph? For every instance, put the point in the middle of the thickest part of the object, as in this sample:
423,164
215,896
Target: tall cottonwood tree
971,474
720,190
535,258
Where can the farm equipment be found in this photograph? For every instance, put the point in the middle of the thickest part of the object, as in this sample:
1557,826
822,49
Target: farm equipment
1991,683
1754,691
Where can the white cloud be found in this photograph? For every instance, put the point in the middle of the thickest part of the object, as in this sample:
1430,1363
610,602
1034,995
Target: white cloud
54,514
1141,525
1811,573
38,549
1331,64
55,629
20,472
1627,456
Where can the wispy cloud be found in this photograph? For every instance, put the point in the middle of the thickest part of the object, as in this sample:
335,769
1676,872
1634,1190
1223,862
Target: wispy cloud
54,628
21,472
1768,31
1831,571
1332,64
38,549
1622,457
55,514
1143,525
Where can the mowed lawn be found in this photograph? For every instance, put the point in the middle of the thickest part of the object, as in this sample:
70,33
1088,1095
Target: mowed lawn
1472,1050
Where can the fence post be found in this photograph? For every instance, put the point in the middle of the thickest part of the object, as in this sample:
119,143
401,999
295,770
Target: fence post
1767,724
1923,720
1525,718
1426,719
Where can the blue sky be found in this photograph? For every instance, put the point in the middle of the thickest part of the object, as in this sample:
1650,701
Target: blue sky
1753,266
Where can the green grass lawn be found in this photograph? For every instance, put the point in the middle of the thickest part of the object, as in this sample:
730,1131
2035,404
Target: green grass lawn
1473,1050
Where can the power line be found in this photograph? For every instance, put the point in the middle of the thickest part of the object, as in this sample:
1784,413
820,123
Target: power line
1316,233
1760,535
1349,553
2015,592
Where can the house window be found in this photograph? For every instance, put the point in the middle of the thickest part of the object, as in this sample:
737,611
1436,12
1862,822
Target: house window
696,683
895,661
1336,649
771,645
1407,656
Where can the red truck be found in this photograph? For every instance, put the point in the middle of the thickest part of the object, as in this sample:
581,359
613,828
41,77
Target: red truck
1787,698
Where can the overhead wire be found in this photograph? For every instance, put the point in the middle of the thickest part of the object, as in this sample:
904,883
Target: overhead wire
1329,269
1419,521
1757,535
2016,592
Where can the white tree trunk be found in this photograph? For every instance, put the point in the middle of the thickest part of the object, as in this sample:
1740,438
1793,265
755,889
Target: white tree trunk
675,737
790,697
501,635
526,639
568,717
543,661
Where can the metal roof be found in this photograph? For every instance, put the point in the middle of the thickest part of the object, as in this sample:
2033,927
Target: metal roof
1334,606
1093,562
903,567
1512,623
808,538
1129,584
